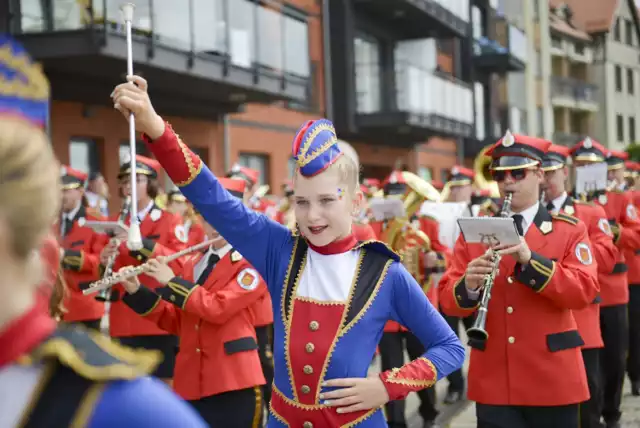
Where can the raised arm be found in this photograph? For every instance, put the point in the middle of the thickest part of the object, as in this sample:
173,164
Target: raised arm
444,352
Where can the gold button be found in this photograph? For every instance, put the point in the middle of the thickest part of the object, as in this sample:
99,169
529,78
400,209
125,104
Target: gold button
308,369
307,425
197,326
510,280
458,297
172,298
532,282
198,350
309,347
305,389
509,310
314,325
512,339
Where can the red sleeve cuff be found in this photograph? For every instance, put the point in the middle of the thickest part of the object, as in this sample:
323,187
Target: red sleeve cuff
181,164
414,376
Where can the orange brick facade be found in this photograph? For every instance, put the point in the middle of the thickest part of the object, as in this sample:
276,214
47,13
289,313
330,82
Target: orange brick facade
265,130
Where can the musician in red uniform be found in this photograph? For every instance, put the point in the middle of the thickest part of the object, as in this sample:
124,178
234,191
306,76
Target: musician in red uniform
82,247
206,303
529,373
616,175
606,254
178,204
163,234
252,179
614,321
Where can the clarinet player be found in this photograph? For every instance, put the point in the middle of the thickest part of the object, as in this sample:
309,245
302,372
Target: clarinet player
529,373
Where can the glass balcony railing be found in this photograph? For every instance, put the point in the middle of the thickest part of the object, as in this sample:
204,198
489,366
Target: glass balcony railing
573,88
427,93
516,45
243,31
567,138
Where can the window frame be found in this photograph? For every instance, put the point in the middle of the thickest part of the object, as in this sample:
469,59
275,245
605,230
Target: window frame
93,163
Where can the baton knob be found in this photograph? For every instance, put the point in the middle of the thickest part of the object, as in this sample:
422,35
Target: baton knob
127,11
134,240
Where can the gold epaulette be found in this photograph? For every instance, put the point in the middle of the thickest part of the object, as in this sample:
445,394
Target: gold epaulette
94,356
566,218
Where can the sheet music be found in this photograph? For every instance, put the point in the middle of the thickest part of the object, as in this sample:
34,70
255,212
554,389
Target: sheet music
106,226
490,231
590,178
386,208
447,214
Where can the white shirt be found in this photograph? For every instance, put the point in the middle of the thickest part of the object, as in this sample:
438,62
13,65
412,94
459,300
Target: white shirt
558,202
528,215
69,216
328,278
202,263
17,385
143,213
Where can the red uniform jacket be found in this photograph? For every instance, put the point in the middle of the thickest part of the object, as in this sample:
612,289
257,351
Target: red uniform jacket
532,356
81,264
218,346
50,258
626,230
261,311
163,234
196,233
606,253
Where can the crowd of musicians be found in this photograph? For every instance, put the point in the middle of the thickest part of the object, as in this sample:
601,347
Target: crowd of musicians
240,307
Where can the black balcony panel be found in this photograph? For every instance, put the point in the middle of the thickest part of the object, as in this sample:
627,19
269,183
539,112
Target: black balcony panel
508,53
571,88
419,18
207,56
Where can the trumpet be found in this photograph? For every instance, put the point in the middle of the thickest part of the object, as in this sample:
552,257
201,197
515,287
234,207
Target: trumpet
105,294
478,333
132,271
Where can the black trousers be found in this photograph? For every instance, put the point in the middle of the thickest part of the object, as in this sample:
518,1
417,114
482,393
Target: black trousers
233,409
615,334
264,335
633,358
591,410
391,356
490,416
456,379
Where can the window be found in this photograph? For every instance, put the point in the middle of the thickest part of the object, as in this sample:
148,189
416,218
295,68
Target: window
632,130
426,173
125,154
579,48
83,155
296,48
630,81
538,64
258,162
617,30
556,42
292,165
618,77
444,175
540,114
620,127
367,61
628,32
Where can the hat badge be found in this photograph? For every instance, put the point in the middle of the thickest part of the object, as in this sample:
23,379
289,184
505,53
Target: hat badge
587,143
508,139
393,179
63,171
455,171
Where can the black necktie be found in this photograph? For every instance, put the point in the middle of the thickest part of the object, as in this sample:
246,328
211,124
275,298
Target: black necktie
519,220
67,225
213,259
551,207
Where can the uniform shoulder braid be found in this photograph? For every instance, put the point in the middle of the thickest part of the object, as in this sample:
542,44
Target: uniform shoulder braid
566,218
94,356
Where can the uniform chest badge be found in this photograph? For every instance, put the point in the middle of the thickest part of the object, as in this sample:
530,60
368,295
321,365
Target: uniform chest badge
248,279
155,214
602,199
605,227
181,233
546,227
81,221
570,210
583,253
236,256
631,212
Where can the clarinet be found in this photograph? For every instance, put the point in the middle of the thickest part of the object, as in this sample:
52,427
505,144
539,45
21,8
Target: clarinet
105,294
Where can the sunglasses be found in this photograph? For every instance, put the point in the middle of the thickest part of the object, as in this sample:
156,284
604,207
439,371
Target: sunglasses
516,174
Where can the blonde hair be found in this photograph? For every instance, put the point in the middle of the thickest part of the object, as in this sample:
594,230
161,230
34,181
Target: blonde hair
29,184
347,170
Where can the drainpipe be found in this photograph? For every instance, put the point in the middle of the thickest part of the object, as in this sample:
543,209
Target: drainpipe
226,143
326,58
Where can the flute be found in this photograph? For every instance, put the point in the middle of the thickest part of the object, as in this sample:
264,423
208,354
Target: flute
127,273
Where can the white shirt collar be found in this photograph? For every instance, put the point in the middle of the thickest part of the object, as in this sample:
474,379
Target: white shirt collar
143,213
528,215
72,214
559,202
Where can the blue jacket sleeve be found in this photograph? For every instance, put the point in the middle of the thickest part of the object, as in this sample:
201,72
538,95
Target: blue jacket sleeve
444,353
144,402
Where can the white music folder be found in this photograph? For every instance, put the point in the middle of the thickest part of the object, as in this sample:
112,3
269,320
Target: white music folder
491,231
108,227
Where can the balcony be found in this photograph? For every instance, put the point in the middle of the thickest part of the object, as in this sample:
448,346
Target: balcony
506,54
424,104
419,18
567,138
572,93
201,59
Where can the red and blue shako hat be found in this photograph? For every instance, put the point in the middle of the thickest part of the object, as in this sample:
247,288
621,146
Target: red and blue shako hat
556,157
588,150
615,159
515,151
315,147
24,88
